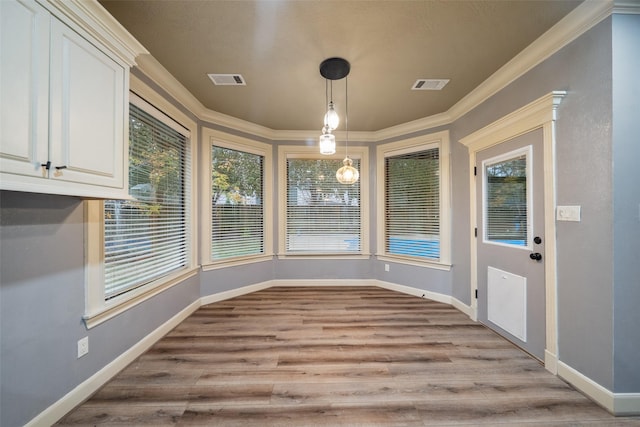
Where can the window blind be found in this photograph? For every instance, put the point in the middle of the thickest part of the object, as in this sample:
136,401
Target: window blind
146,238
506,204
323,216
237,212
412,204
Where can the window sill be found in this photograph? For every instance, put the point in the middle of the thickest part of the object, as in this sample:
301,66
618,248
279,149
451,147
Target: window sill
119,305
235,262
324,256
427,264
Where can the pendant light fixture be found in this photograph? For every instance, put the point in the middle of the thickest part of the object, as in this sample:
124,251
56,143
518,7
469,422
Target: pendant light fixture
331,69
335,69
347,174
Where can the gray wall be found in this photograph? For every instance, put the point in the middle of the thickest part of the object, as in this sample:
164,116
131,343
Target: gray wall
42,304
626,202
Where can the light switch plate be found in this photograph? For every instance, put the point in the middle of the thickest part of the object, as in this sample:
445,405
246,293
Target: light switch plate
568,213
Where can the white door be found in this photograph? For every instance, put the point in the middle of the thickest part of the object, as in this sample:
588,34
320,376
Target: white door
510,240
24,88
87,111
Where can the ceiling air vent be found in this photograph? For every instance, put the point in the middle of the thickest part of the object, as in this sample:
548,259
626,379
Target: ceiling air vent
227,79
429,84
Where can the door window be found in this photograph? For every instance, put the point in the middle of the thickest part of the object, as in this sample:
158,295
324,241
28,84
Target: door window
507,192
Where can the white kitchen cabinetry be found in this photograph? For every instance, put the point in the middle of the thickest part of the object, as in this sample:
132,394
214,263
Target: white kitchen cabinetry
64,107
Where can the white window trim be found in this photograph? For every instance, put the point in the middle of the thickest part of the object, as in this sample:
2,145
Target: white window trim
420,143
97,310
221,139
311,152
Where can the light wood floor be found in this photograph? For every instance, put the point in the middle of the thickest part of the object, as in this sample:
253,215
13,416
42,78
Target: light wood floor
357,356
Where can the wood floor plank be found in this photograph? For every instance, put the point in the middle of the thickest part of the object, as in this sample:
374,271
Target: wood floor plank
336,356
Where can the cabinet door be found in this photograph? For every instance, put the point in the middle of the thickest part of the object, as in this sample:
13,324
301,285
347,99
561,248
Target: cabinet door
88,108
24,87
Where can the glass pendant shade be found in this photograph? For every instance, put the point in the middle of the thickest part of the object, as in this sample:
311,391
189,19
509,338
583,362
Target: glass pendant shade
327,142
331,119
347,174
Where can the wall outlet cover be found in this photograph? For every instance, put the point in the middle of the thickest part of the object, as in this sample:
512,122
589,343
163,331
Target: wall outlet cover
83,346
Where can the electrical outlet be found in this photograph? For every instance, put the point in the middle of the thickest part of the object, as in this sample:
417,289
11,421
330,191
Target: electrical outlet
83,346
386,267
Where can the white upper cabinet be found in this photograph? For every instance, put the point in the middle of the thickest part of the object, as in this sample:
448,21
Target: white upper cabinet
87,108
24,87
64,107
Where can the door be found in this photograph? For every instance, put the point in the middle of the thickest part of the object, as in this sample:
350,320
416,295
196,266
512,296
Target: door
24,88
510,240
88,118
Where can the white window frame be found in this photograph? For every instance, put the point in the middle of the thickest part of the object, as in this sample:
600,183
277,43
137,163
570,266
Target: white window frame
311,152
97,309
438,140
220,139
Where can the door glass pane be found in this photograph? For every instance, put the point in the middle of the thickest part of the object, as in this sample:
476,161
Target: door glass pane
506,219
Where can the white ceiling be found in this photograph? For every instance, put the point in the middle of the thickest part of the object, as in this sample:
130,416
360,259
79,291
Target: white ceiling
278,45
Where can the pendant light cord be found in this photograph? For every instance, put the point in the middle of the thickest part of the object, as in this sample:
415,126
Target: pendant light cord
346,114
326,99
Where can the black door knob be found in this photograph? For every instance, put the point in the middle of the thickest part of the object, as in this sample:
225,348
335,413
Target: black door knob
536,256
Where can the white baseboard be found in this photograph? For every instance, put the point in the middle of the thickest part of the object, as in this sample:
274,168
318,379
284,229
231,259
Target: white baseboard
421,293
225,295
626,403
466,309
617,403
323,282
85,389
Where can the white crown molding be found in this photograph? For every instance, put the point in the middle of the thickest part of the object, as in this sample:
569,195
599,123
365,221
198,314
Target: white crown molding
544,109
418,125
581,19
152,69
627,7
95,20
576,23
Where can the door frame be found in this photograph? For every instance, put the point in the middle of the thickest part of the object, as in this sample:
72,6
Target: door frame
540,113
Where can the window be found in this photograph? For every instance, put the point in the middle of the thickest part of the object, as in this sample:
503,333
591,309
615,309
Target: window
506,208
237,211
144,242
414,200
239,214
321,216
146,238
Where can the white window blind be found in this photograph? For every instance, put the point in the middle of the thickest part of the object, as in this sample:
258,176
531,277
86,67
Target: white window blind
323,216
506,204
237,210
146,238
412,204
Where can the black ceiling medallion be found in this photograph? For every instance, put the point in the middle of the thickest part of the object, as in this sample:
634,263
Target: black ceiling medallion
335,68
